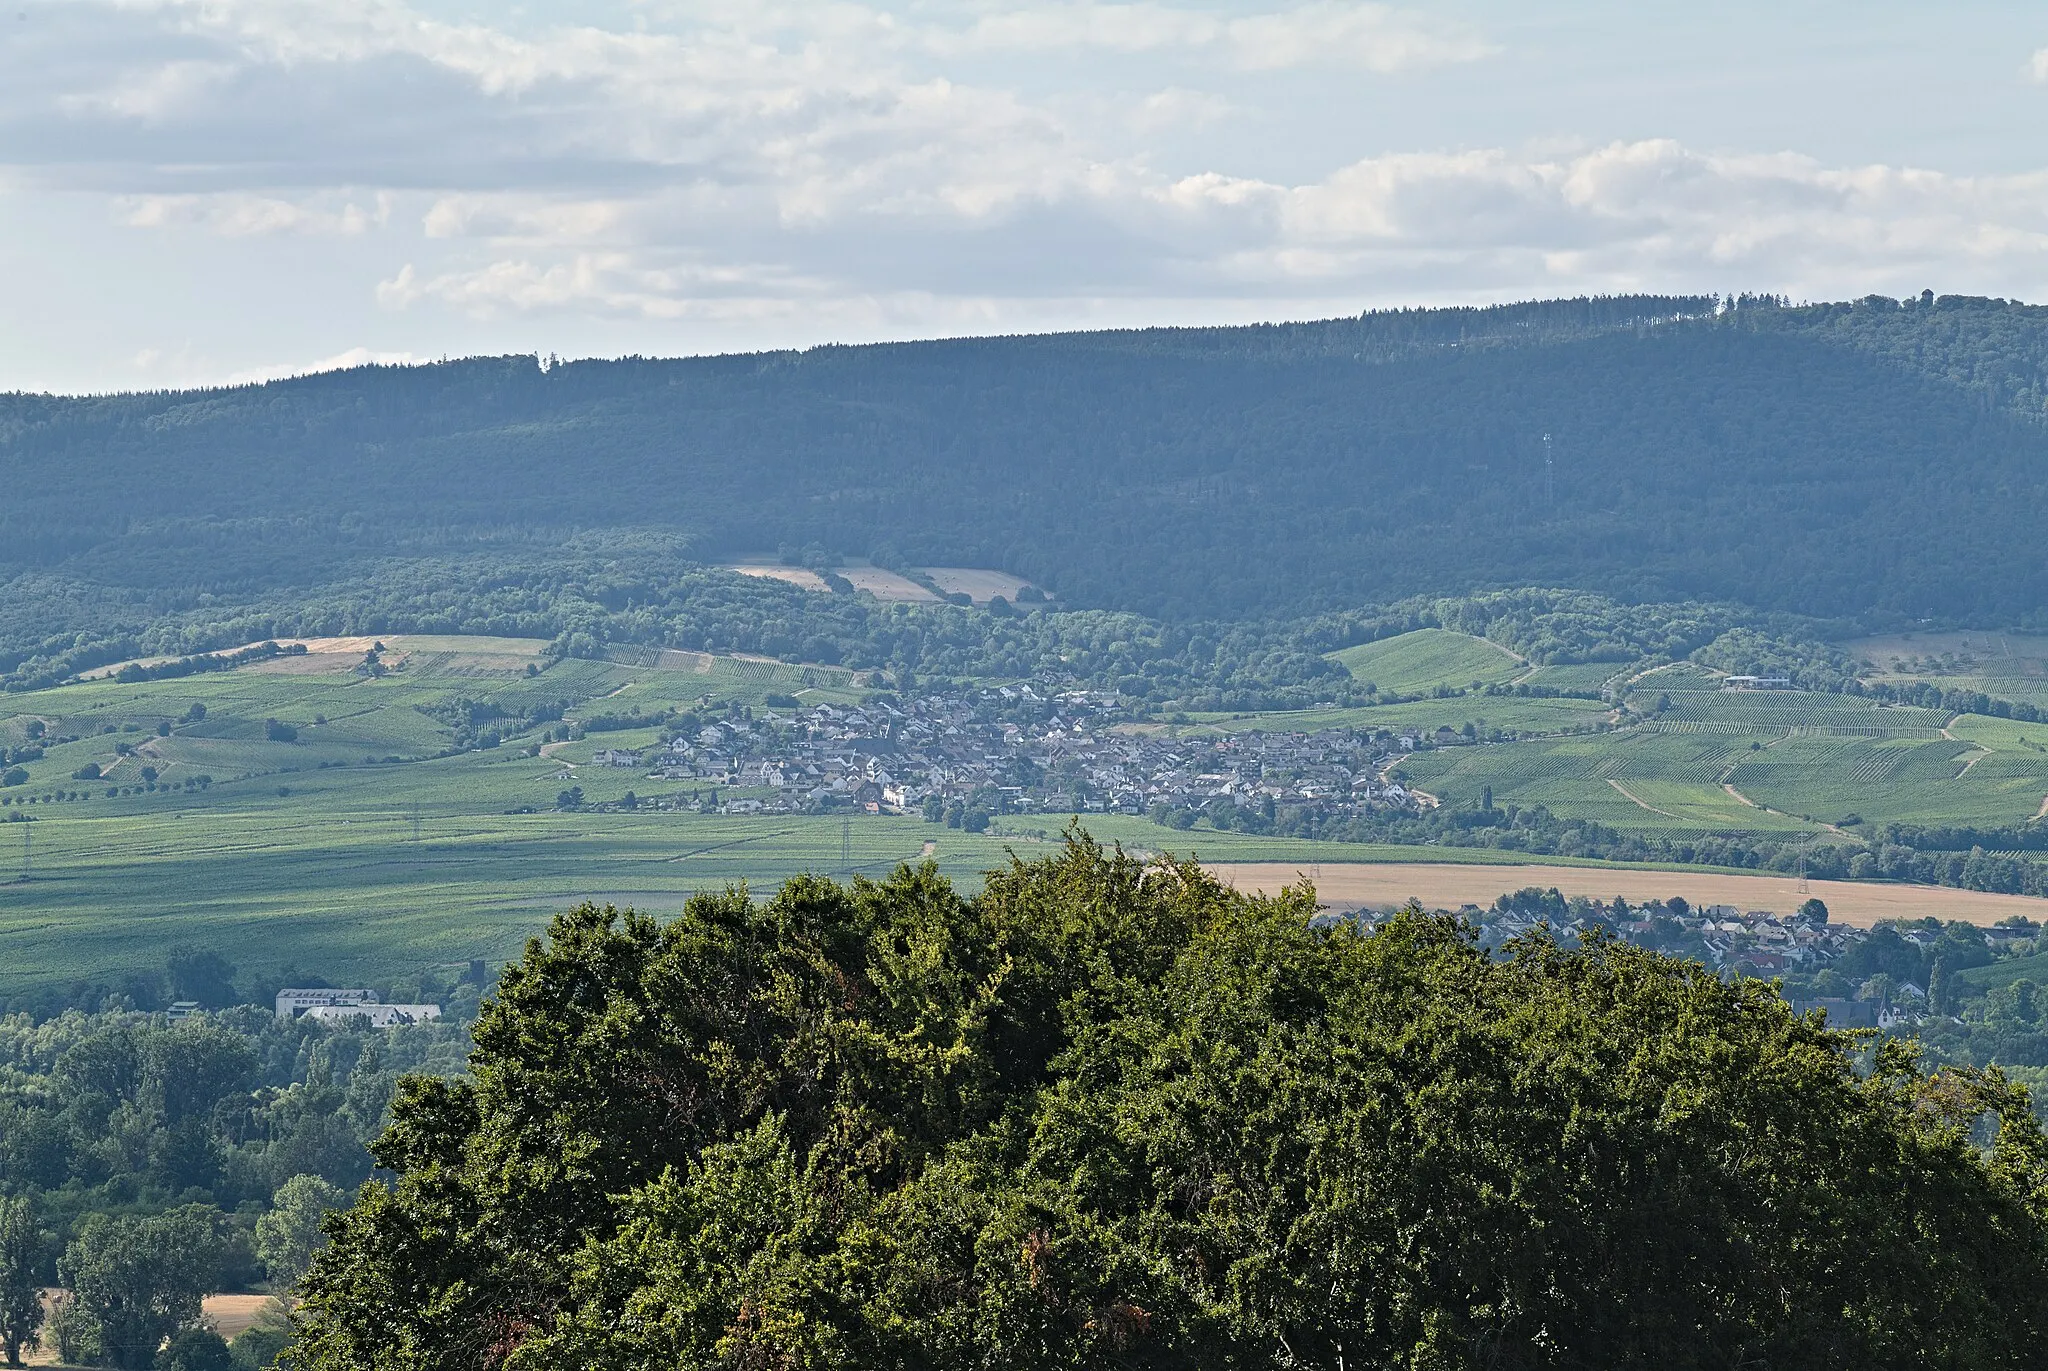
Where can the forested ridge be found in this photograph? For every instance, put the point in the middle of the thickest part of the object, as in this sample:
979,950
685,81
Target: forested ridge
1876,459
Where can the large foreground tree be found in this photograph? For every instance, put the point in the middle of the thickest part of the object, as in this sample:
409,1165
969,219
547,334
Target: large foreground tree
1107,1114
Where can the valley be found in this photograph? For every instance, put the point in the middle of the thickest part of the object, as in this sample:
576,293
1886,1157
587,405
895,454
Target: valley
361,806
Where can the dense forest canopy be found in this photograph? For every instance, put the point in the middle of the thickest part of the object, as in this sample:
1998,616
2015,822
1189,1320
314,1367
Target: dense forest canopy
1111,1115
1873,458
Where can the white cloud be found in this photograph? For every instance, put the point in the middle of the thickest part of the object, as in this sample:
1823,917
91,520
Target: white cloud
236,215
2037,67
842,165
1628,215
340,361
1373,37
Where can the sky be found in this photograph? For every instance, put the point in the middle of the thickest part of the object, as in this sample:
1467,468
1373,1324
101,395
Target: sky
217,191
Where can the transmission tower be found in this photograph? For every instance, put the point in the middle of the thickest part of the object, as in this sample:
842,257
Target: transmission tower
1549,475
846,847
27,864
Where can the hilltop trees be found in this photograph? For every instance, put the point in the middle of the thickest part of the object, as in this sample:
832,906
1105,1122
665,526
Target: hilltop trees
1105,1114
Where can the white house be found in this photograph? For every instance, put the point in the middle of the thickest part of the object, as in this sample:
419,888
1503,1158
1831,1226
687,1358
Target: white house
377,1015
292,1003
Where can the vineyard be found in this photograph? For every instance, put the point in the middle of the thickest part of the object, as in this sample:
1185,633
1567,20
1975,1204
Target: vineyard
1801,760
1778,710
1581,675
1486,713
1427,659
1629,780
2005,666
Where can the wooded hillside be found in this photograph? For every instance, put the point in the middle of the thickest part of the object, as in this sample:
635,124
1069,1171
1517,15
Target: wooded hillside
1833,460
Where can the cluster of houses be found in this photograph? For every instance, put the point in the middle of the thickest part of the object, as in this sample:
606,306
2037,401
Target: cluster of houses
1754,942
1016,749
324,1005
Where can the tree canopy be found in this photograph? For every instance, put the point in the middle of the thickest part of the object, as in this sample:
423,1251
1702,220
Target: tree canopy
1107,1113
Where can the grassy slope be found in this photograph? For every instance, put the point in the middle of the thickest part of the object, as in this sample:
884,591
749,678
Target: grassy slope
1803,760
1429,657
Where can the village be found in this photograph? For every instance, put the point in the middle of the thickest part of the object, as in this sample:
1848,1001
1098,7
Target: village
1863,977
964,757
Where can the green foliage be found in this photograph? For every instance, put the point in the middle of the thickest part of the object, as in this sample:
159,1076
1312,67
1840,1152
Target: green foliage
288,1237
23,1254
118,1114
1111,1115
258,1345
141,1280
195,1349
73,1332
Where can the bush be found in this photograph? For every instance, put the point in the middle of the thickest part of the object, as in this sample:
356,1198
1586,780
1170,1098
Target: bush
73,1332
257,1346
196,1349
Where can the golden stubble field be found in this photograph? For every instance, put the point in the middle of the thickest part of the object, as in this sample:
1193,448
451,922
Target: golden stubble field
1355,885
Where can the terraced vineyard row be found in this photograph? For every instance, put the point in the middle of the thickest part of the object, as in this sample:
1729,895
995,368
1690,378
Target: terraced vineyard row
1796,730
1792,709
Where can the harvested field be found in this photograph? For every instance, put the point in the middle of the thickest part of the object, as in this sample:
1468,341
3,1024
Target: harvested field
795,575
1354,885
1977,652
887,585
978,584
470,654
230,1315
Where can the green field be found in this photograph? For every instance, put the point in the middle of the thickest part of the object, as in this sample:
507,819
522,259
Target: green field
336,884
303,853
1428,658
1632,779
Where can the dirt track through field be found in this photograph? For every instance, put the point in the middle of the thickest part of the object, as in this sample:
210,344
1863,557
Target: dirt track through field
1638,800
1352,885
